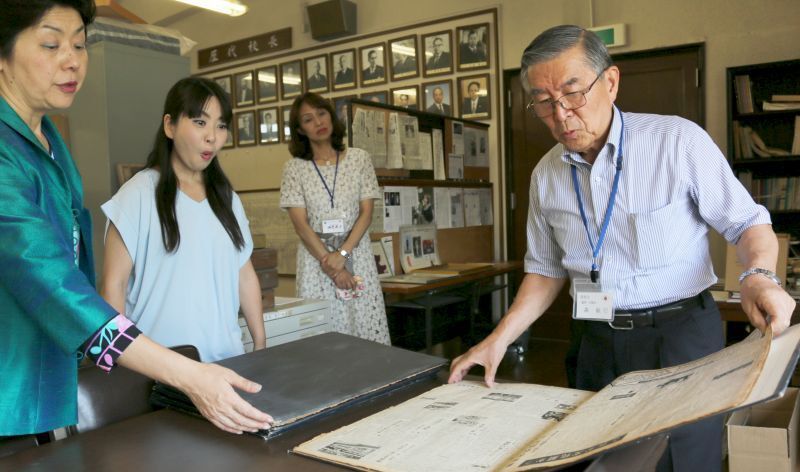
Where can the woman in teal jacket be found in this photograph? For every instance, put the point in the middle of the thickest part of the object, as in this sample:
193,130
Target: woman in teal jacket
50,314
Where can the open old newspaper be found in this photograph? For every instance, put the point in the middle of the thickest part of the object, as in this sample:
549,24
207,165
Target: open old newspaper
514,427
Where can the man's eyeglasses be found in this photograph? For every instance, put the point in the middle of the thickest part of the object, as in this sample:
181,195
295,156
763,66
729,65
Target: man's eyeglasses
568,101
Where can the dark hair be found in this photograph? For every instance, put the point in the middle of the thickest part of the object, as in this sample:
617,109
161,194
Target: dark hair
554,41
475,83
19,15
299,145
187,99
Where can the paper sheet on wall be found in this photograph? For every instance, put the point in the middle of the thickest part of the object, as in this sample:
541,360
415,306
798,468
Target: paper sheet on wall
425,151
470,147
482,159
438,154
457,135
456,207
394,156
418,247
424,211
455,166
472,207
398,205
409,136
378,215
449,207
485,198
369,134
388,248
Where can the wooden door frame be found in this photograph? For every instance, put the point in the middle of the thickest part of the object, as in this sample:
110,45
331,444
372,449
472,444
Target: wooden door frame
511,74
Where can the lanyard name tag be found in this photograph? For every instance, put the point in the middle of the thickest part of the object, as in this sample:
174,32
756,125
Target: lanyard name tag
335,225
591,302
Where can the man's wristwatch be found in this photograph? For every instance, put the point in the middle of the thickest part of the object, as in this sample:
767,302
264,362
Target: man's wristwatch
757,270
345,254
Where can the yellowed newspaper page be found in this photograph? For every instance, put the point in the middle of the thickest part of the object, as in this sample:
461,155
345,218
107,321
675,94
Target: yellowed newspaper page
458,427
643,403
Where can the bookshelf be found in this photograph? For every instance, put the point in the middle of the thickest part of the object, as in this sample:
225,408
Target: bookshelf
467,243
764,143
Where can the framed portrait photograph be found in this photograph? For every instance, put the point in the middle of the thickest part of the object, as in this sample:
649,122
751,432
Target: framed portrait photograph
291,79
268,125
231,133
373,64
245,128
437,97
243,94
404,57
343,66
286,132
342,106
267,80
473,95
406,97
317,74
438,49
377,97
473,46
226,82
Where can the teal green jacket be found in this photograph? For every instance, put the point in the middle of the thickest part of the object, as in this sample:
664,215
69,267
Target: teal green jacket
48,305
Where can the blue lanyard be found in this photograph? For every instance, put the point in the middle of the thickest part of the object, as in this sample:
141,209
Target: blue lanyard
335,174
595,273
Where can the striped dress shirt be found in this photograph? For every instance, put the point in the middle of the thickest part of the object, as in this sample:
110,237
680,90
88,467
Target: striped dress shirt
674,184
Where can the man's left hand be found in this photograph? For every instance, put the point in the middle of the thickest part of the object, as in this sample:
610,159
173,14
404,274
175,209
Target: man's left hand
763,300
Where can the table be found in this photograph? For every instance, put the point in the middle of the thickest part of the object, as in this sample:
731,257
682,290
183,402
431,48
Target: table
166,440
468,287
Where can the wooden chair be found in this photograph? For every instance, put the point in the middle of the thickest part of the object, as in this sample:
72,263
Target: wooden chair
105,398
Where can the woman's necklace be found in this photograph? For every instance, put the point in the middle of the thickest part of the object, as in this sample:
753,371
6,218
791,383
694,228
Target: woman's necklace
326,160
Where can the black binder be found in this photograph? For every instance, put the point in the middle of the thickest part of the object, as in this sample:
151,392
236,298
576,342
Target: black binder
315,376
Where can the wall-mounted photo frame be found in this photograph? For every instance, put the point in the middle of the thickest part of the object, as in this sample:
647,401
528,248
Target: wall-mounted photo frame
406,97
317,74
243,89
403,53
474,97
473,47
268,126
226,82
286,134
377,97
438,49
245,128
231,134
267,80
291,79
437,97
373,64
341,106
343,65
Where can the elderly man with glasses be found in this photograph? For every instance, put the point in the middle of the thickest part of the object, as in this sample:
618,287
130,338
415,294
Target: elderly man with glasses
621,207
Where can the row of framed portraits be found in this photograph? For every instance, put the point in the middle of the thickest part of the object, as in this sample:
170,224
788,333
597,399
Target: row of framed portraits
398,59
270,125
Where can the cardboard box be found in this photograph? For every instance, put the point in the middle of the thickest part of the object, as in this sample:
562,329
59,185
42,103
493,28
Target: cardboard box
764,436
733,269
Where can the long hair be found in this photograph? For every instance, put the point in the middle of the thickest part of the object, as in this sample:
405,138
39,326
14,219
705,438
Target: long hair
299,146
186,99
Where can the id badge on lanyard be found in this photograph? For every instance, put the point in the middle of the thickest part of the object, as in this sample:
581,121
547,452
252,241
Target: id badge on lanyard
591,301
333,223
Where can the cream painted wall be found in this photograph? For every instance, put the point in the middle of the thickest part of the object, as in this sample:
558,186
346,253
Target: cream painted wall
735,32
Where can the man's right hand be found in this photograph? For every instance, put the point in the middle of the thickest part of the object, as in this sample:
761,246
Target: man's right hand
487,353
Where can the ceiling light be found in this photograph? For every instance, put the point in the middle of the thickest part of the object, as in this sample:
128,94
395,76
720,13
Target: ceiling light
228,7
